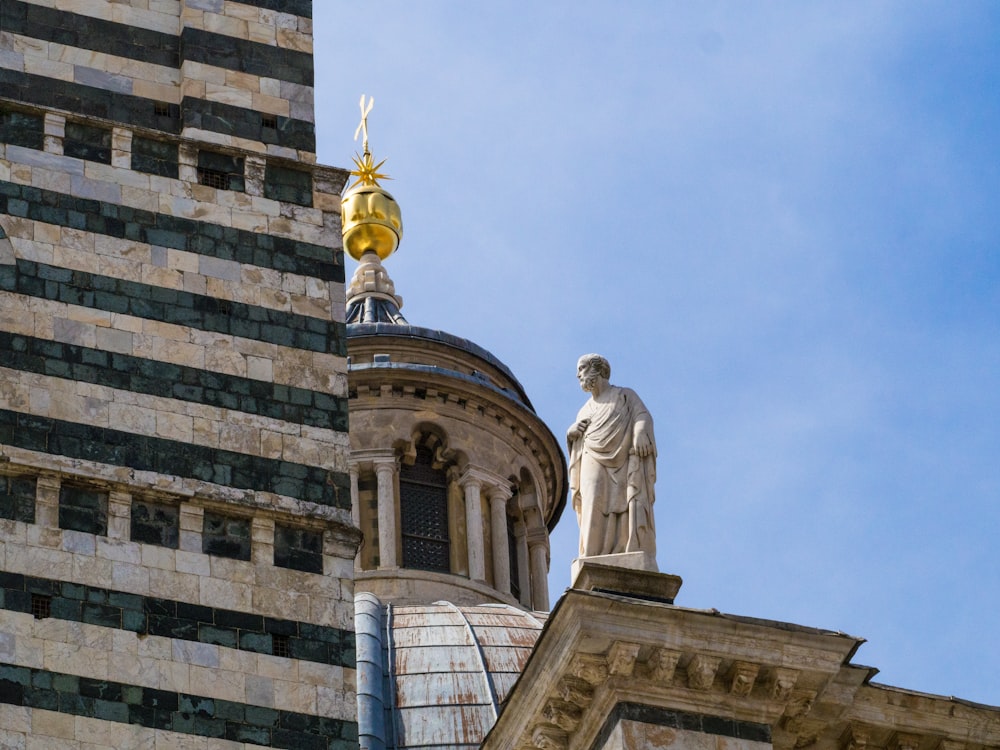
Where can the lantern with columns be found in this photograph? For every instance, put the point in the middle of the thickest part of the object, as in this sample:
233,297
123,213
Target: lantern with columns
455,481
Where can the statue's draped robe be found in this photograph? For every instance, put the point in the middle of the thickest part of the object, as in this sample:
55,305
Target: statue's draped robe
610,485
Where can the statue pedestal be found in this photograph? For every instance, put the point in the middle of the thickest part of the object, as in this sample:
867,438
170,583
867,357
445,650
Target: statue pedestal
600,574
629,560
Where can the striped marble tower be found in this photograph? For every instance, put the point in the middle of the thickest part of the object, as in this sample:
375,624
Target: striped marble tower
176,544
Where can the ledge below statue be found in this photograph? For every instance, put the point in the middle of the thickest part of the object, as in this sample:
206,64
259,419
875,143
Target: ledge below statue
609,574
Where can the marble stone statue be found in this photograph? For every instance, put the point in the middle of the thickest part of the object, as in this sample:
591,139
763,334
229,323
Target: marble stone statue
612,466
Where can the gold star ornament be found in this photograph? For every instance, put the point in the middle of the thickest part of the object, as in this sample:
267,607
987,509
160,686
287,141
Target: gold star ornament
367,171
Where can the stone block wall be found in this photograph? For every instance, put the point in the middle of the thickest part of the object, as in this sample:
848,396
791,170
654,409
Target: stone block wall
176,544
238,74
118,642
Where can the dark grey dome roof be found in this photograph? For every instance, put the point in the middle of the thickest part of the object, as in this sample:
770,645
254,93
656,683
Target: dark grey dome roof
405,330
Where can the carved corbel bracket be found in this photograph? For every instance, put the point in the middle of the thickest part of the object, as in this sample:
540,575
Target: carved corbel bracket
662,665
795,720
782,682
904,741
576,691
806,731
621,658
701,671
564,715
590,668
855,738
742,676
546,737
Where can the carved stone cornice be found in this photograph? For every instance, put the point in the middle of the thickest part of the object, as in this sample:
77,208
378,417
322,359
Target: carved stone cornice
669,658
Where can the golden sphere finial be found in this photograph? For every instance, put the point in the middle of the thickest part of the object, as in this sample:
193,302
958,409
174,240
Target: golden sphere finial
371,217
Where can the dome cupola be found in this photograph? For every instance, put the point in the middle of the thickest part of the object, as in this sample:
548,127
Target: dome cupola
455,480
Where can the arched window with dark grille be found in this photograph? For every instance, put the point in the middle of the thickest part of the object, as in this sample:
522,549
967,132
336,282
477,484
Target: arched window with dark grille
423,494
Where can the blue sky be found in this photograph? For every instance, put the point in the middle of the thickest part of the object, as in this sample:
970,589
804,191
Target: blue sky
780,223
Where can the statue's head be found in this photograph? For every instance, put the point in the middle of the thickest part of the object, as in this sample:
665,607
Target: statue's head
590,368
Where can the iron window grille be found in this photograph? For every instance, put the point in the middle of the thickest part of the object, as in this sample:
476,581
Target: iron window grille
423,494
41,606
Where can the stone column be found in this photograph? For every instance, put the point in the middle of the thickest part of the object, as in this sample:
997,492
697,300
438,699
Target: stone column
459,550
501,551
539,553
352,469
385,474
523,564
474,526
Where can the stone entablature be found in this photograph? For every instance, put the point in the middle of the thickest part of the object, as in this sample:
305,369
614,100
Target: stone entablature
602,650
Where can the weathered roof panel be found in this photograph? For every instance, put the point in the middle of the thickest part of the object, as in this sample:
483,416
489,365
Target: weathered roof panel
443,658
446,669
440,635
444,725
441,688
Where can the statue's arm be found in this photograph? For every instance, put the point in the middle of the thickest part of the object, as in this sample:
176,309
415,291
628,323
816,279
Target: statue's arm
579,427
576,430
643,441
642,437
